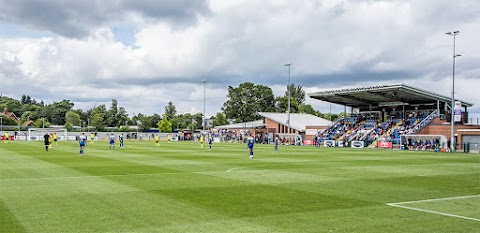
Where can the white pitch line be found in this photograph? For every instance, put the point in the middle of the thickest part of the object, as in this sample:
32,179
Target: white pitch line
235,168
399,205
435,199
118,175
434,212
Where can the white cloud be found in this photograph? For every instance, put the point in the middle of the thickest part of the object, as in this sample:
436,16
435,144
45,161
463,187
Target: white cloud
332,44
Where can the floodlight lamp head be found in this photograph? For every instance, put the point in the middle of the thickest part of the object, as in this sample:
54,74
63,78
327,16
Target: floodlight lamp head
458,55
288,64
453,33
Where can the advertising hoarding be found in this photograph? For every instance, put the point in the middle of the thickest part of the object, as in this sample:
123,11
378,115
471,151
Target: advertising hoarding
357,144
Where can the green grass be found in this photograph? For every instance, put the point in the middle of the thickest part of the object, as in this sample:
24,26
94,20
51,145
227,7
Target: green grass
179,187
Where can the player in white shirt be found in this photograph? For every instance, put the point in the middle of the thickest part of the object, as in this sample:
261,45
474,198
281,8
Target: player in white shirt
112,142
82,142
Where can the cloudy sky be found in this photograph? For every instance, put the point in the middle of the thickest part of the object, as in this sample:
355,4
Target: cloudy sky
145,53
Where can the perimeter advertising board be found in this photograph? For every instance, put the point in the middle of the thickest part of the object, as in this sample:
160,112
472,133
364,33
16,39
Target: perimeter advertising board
308,142
384,145
357,144
340,143
329,143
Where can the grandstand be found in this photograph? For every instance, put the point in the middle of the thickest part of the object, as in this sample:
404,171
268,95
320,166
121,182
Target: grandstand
387,113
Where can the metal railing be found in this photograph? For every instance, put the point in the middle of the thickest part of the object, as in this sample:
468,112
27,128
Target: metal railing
425,122
333,124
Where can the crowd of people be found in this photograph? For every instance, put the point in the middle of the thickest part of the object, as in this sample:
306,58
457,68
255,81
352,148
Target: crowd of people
369,129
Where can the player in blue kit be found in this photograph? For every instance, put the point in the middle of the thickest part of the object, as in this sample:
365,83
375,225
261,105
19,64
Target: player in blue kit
210,141
275,142
251,141
81,141
112,142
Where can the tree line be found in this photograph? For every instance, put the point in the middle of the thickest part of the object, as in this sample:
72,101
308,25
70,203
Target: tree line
243,104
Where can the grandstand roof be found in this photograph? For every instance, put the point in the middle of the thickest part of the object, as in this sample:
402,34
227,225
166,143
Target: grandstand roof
298,121
385,95
250,125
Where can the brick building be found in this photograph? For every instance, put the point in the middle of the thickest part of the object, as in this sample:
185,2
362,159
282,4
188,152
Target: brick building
305,125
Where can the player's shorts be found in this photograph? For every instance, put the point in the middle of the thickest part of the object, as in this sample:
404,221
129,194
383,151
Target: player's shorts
82,144
156,141
55,139
47,143
112,142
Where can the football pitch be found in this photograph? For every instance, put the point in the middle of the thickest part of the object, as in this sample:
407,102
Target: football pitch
180,187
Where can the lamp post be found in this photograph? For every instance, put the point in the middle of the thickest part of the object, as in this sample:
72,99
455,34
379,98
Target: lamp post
288,89
43,122
330,113
203,121
88,125
1,123
452,120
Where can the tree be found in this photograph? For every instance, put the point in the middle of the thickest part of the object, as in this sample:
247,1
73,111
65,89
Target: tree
116,116
281,103
296,93
56,112
307,108
98,121
40,123
26,116
72,117
164,125
97,117
68,126
121,116
147,122
181,121
219,119
245,101
12,105
170,110
26,99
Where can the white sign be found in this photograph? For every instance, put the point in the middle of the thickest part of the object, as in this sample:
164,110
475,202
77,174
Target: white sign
458,111
385,104
311,131
340,143
357,144
329,143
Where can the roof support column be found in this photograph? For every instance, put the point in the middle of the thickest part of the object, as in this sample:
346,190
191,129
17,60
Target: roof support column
344,118
438,108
